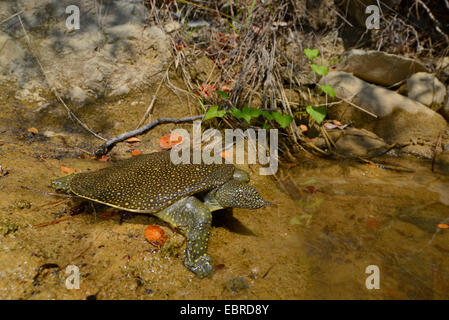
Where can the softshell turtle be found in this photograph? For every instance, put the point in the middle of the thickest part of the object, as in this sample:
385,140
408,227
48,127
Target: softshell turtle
183,195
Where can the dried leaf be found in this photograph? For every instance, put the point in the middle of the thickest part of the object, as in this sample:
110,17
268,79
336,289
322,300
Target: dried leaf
33,130
170,140
132,140
443,226
155,235
67,170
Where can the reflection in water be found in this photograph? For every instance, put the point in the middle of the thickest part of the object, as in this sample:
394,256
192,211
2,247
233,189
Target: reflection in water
363,216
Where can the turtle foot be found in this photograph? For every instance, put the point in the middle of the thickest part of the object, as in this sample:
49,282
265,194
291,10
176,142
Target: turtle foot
201,267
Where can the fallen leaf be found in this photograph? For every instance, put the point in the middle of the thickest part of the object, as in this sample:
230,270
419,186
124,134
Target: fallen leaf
443,226
67,170
170,140
33,130
303,128
104,158
136,153
132,140
371,165
155,235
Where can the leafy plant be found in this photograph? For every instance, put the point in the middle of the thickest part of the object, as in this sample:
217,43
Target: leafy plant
213,112
319,113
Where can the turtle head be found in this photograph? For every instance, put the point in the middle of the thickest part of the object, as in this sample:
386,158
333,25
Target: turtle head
62,184
238,194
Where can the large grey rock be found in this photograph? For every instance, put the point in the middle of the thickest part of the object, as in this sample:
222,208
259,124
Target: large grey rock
113,52
426,88
400,119
380,67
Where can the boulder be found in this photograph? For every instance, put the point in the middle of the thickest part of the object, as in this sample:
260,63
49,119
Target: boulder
113,51
380,67
360,143
426,88
442,162
399,119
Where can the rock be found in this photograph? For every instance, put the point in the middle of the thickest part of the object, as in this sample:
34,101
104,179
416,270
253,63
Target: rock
426,88
113,52
400,119
360,143
442,161
380,67
445,110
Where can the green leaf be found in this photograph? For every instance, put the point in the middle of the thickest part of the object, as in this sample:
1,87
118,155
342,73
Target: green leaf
239,114
267,115
266,126
321,70
317,113
213,112
329,90
222,94
254,112
284,120
311,53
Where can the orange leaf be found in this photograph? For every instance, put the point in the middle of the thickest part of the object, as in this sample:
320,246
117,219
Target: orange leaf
155,235
443,226
371,165
33,130
170,140
136,153
67,170
104,158
132,140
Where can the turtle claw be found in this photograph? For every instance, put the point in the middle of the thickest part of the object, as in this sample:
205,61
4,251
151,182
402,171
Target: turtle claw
201,267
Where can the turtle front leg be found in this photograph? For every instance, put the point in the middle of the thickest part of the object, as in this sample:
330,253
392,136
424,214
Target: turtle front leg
193,219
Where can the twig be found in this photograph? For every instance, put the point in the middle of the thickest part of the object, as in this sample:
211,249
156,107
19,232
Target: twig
108,145
360,108
10,17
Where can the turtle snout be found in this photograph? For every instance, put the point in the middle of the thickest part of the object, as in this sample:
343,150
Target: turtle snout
237,194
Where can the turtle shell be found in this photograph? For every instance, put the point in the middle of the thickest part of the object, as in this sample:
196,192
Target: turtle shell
148,183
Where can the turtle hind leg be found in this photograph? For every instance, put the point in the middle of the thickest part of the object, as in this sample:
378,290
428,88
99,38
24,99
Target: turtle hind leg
193,219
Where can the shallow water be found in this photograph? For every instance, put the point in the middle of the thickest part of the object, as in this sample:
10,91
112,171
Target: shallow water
329,221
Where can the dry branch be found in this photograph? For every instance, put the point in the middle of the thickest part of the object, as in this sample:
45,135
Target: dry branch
108,145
